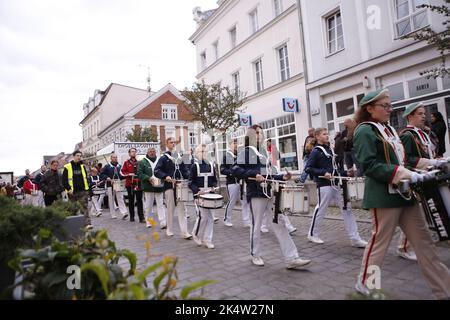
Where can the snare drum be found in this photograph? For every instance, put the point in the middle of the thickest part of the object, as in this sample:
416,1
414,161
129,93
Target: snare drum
98,191
19,196
118,186
294,199
210,201
355,189
155,182
435,200
184,194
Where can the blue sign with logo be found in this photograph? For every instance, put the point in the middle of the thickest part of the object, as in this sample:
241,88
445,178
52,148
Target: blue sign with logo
245,120
290,105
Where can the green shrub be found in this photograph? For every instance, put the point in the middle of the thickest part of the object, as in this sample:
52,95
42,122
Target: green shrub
101,275
19,224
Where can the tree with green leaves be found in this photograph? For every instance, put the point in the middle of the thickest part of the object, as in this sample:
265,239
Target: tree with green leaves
440,40
139,134
216,107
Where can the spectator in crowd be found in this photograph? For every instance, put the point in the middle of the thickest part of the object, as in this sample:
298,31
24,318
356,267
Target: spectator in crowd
439,127
307,148
37,181
51,184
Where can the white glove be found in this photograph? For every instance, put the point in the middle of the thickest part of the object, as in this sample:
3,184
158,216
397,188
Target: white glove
439,163
416,177
428,176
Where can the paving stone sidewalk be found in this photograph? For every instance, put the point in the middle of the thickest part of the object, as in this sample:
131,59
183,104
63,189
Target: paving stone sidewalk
331,274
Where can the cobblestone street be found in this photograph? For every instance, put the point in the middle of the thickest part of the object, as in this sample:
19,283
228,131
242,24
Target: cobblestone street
331,274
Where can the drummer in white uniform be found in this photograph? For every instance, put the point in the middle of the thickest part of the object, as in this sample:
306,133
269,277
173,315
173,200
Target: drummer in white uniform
202,180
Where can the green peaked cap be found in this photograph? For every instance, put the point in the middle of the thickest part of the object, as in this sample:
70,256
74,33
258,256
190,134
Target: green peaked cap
374,96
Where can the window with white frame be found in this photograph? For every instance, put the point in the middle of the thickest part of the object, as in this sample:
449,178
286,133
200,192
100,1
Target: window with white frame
277,7
335,33
233,37
284,63
203,60
192,140
253,15
259,75
169,112
408,17
216,50
236,82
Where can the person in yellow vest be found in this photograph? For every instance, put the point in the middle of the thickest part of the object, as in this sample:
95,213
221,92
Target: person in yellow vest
75,182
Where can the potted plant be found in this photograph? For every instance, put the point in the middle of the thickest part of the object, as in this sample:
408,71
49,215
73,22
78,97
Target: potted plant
72,227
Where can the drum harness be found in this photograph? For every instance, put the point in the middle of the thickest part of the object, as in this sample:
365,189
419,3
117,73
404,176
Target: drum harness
152,165
423,137
267,183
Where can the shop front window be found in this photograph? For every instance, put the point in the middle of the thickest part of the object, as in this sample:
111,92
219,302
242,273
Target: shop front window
288,153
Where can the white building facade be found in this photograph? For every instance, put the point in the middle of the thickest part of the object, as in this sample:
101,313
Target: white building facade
254,47
355,46
103,109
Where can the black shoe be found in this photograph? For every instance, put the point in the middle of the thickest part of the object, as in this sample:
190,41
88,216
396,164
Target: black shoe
131,219
141,220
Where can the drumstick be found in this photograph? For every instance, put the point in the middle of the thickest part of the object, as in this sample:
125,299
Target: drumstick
337,177
270,180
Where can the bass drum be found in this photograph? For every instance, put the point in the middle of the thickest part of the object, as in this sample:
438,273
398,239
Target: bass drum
435,199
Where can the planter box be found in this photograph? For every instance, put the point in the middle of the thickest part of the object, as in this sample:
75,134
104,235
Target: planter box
72,228
7,278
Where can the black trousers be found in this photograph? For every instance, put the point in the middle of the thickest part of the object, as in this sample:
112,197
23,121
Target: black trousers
48,200
135,196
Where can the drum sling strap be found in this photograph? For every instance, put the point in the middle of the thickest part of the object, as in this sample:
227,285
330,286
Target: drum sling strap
205,175
423,138
174,174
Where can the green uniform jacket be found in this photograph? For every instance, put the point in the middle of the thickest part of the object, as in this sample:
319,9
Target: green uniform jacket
371,152
144,173
414,149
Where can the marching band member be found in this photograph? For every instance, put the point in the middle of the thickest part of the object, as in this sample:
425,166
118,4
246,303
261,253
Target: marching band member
321,163
96,199
380,153
133,185
152,192
111,174
169,169
233,186
419,154
252,166
201,179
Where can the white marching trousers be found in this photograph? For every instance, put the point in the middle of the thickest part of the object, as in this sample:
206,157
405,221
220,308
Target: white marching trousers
204,224
120,201
325,196
149,198
96,203
234,194
259,206
31,200
171,208
40,200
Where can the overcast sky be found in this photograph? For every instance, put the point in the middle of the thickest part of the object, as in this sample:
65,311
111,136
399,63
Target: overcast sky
55,53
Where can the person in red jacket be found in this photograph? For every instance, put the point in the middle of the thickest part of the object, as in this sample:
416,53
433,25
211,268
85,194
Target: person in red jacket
133,185
31,192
